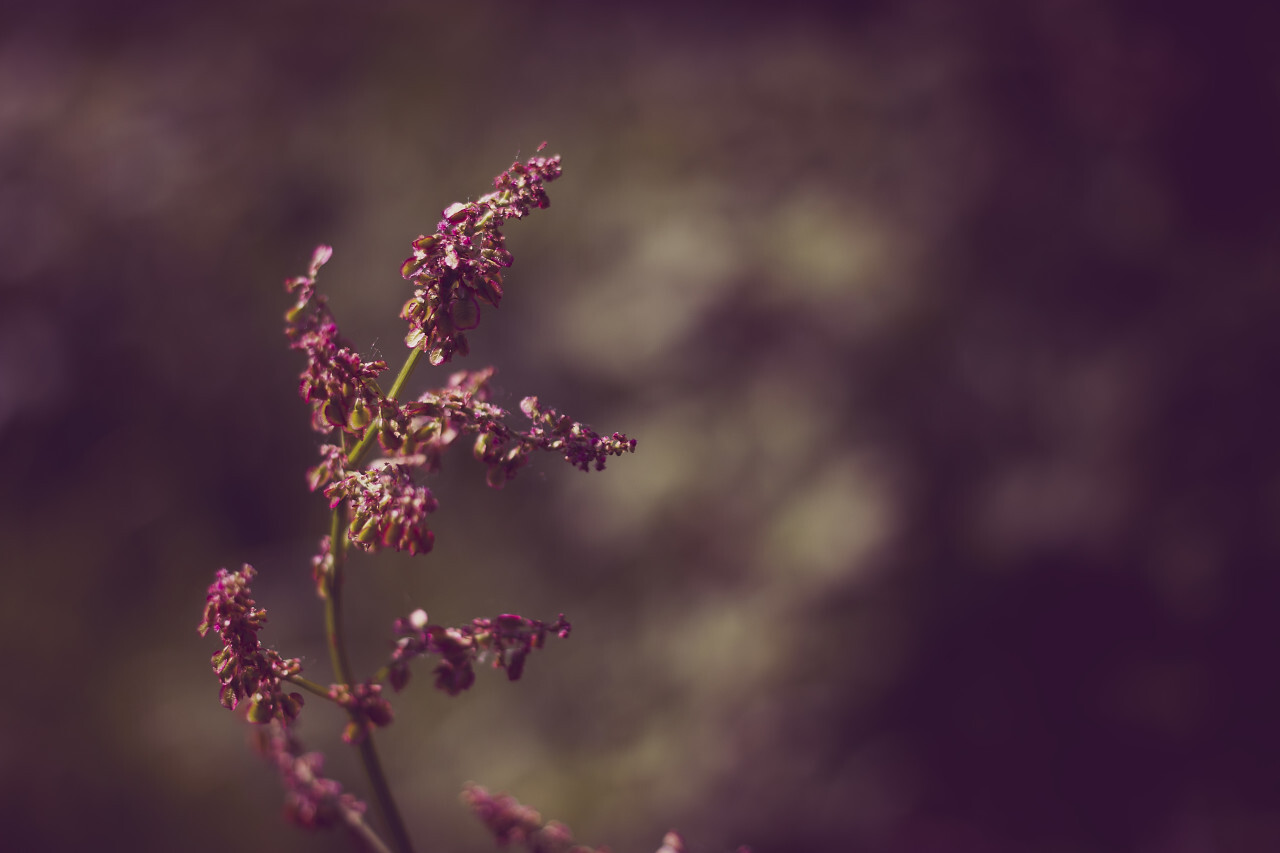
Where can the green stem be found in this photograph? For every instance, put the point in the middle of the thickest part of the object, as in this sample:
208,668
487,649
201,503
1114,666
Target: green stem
309,686
342,672
336,639
333,596
409,364
371,432
382,795
368,836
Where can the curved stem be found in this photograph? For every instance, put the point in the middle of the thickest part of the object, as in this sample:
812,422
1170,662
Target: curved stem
342,672
334,634
333,595
382,795
309,686
409,364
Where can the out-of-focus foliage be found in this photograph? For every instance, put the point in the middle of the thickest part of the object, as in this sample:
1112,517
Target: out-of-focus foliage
945,330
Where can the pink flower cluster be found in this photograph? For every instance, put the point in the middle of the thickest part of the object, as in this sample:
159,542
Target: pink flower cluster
384,504
510,822
244,668
459,268
366,707
462,408
508,639
341,388
248,671
311,800
452,268
388,509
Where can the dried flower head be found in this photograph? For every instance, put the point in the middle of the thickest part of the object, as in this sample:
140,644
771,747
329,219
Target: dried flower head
366,707
454,271
511,822
462,408
244,668
311,800
388,509
459,268
341,388
508,639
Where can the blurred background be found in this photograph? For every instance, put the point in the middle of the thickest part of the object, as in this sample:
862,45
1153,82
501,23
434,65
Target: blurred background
946,331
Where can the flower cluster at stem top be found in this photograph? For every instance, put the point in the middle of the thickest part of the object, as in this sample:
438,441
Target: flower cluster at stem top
452,270
459,268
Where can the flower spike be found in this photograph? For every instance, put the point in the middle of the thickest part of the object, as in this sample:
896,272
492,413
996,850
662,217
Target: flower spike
459,268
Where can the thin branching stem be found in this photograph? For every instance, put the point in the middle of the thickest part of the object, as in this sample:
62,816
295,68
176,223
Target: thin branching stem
309,686
368,836
336,638
371,433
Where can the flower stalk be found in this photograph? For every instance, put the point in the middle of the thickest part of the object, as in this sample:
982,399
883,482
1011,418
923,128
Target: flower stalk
335,637
385,504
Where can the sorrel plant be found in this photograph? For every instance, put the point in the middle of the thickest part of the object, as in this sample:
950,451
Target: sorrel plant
378,450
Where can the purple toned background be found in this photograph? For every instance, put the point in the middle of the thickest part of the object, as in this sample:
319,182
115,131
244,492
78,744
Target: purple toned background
948,332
